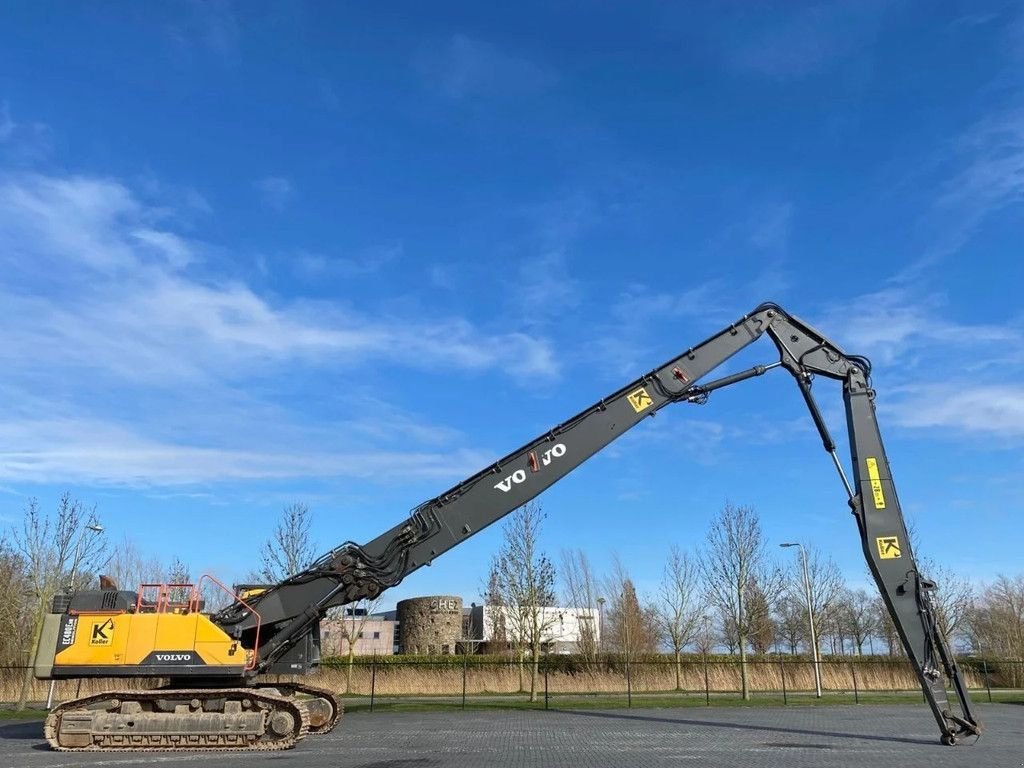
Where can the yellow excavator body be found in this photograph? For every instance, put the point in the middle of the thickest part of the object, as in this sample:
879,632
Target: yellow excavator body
129,644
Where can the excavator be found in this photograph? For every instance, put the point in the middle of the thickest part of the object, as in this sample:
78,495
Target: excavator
209,672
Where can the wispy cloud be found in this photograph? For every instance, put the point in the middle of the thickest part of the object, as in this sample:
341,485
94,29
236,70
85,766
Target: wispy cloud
207,26
369,261
770,226
990,409
988,176
543,285
276,192
901,323
22,143
808,40
100,290
931,362
93,451
137,311
464,67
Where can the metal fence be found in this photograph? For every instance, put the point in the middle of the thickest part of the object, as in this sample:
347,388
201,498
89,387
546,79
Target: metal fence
570,681
562,681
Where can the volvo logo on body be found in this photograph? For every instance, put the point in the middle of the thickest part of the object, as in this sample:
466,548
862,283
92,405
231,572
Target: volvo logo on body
171,657
519,476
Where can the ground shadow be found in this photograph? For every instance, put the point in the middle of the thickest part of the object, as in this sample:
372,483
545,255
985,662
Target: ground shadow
746,727
22,729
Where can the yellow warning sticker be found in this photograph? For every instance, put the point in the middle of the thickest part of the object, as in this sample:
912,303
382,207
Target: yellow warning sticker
888,547
876,483
639,399
101,632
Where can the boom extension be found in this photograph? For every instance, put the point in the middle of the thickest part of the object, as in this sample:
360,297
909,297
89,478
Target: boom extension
351,572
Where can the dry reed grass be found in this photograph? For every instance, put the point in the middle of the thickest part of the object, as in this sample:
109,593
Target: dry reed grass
395,679
723,677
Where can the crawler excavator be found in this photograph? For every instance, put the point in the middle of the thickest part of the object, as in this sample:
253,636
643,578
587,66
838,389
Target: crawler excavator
212,667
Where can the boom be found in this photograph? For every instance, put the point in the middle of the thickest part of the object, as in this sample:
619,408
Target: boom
288,612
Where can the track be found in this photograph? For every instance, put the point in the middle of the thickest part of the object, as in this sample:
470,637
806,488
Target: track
325,709
211,719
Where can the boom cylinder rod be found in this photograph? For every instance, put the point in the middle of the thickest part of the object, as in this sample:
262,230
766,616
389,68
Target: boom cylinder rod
803,379
725,381
826,437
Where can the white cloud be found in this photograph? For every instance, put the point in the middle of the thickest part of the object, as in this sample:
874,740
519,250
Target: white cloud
989,176
465,67
900,324
978,408
370,261
75,219
275,191
932,365
139,312
90,451
107,308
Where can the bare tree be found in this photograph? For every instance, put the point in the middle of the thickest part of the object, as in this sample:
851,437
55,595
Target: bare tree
59,551
526,582
885,627
15,607
951,599
760,625
857,611
791,622
128,567
728,634
291,547
581,593
351,624
704,639
680,606
825,581
997,623
178,573
734,556
495,601
953,594
632,627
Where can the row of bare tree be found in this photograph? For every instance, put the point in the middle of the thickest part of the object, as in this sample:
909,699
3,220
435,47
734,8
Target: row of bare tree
733,596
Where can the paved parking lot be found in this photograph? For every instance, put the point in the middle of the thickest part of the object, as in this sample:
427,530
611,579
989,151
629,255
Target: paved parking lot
794,737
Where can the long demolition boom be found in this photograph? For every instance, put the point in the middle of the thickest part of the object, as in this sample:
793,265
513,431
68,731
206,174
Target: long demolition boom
289,611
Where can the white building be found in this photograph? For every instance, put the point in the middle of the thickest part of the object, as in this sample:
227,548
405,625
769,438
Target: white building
563,627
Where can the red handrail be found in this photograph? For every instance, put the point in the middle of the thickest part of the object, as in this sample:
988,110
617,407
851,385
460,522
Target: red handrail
259,619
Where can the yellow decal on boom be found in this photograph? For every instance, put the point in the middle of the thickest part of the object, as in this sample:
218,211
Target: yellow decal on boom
876,483
639,399
101,632
888,547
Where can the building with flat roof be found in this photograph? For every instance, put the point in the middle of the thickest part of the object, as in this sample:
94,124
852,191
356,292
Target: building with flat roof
563,627
372,635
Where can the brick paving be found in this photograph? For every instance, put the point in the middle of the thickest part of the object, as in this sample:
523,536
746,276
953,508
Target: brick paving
794,737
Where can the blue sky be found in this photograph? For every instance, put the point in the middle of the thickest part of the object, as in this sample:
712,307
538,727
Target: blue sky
261,253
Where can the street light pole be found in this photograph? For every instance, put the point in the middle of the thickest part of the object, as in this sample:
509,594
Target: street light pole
600,623
810,616
94,528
